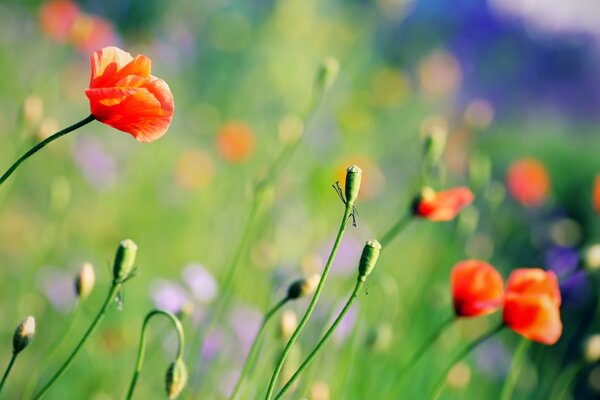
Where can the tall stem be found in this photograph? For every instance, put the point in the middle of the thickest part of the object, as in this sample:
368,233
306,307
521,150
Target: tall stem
396,229
414,359
13,358
442,381
109,298
254,349
324,339
313,302
43,143
142,349
515,370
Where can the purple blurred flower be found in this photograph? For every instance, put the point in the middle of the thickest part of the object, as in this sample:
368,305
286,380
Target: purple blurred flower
245,322
346,324
168,296
576,290
562,260
58,288
97,166
212,344
201,282
348,254
493,358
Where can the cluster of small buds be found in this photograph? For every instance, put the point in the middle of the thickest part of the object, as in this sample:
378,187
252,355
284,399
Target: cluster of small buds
23,334
303,287
176,378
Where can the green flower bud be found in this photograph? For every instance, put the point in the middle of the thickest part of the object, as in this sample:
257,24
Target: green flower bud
434,145
328,73
353,178
124,260
176,378
368,258
23,334
84,281
303,287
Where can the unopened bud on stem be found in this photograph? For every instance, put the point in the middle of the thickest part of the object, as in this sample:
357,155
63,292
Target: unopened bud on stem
434,145
353,178
124,260
84,281
328,73
303,287
176,378
23,334
368,258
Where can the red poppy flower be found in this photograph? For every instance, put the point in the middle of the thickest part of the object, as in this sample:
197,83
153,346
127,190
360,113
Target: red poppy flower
57,18
444,205
596,194
528,182
477,288
235,142
532,305
125,96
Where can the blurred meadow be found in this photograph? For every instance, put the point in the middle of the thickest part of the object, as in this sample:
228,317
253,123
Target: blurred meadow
513,84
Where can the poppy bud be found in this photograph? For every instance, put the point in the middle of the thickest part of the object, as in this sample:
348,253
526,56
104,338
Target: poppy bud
592,257
124,260
434,145
176,378
287,324
23,334
84,281
328,73
368,258
303,287
353,178
591,349
443,205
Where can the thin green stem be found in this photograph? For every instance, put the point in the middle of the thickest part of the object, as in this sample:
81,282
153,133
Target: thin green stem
414,359
515,370
254,349
439,387
51,352
396,229
324,339
313,302
109,299
142,349
43,143
564,381
10,365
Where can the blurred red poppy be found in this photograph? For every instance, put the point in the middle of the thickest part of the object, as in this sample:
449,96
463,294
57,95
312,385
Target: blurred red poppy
444,205
124,95
477,288
596,194
90,33
235,142
532,305
528,182
57,18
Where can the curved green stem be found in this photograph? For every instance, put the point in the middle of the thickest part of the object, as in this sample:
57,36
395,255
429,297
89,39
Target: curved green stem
10,365
51,352
515,370
142,349
439,387
109,299
414,359
43,143
396,229
564,381
254,349
324,339
313,302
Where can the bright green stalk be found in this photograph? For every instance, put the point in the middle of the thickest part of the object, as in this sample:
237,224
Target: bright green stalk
515,370
253,350
396,229
43,143
313,302
142,349
13,358
324,339
109,299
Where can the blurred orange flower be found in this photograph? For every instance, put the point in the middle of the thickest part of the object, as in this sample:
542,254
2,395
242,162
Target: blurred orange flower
373,180
528,182
235,142
532,305
596,194
124,95
444,205
57,18
90,33
477,288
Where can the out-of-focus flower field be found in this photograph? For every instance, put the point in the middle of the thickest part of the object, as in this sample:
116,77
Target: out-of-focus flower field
514,86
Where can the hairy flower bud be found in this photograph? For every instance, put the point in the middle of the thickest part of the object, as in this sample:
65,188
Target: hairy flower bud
368,258
303,287
124,259
353,178
23,334
84,281
176,378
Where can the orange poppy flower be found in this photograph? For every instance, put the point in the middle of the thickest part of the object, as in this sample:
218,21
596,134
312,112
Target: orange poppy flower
532,305
57,18
477,288
235,142
596,194
124,95
528,182
444,205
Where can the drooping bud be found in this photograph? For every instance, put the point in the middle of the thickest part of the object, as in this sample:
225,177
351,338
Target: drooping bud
84,281
328,73
303,287
368,259
434,145
185,311
176,378
124,260
353,178
23,334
